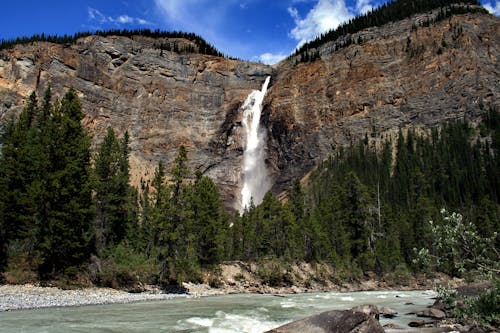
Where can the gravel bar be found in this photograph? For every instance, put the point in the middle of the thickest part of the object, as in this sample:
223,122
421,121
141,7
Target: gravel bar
21,297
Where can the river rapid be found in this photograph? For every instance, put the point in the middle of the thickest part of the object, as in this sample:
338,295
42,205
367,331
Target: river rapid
230,313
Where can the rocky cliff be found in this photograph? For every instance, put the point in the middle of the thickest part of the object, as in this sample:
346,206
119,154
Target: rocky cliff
163,99
398,75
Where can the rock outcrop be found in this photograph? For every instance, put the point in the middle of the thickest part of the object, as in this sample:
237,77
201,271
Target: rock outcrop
396,77
333,322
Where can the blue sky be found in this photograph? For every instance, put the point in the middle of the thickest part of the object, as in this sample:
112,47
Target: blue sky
259,30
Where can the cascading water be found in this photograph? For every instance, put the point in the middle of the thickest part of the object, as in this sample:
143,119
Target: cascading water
255,177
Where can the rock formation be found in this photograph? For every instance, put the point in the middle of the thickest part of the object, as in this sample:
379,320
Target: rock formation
335,321
396,76
163,99
399,76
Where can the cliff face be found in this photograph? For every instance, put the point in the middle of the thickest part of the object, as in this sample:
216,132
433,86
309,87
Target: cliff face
163,99
397,77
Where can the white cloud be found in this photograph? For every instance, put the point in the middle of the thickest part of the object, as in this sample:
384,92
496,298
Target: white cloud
96,15
364,6
271,58
324,16
125,19
493,9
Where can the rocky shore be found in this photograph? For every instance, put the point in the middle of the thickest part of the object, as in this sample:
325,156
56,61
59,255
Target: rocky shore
234,280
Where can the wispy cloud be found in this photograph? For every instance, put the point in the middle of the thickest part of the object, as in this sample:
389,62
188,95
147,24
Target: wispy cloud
271,58
324,16
94,15
364,6
195,15
493,8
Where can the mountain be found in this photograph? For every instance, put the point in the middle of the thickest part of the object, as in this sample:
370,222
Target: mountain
418,71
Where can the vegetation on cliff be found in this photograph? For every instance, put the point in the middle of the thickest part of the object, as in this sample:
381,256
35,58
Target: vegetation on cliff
388,12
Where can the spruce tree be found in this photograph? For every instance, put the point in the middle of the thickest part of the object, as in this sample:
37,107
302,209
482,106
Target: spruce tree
209,222
65,232
113,194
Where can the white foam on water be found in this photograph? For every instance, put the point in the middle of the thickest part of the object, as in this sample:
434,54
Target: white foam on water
288,304
347,299
238,323
203,322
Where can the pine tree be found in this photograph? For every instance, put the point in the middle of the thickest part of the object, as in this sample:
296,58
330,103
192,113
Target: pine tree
209,222
64,239
18,159
113,194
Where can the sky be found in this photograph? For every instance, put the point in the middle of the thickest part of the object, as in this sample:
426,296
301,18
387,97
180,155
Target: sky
256,30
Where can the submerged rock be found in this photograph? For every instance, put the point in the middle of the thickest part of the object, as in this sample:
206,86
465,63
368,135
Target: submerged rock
336,321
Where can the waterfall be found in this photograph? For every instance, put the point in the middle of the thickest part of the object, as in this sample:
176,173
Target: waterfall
255,177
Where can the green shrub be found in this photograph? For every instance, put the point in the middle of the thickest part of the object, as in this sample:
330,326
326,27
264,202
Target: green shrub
123,267
486,307
274,273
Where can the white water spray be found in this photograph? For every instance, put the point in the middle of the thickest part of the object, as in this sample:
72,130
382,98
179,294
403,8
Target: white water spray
255,177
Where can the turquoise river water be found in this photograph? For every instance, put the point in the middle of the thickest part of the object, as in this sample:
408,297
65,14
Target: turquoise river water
224,314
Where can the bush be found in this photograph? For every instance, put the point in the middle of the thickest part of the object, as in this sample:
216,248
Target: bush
21,268
486,307
275,274
124,267
483,308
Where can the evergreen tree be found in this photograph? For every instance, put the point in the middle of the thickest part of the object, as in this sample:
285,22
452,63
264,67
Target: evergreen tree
18,175
64,238
113,194
209,222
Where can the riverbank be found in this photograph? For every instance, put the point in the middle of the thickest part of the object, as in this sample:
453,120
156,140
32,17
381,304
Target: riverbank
231,278
29,296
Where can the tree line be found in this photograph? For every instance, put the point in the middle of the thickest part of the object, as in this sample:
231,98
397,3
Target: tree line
68,212
203,47
61,205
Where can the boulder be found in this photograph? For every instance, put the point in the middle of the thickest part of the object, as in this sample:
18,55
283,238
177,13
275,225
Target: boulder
440,305
392,326
336,321
432,313
368,309
418,323
387,312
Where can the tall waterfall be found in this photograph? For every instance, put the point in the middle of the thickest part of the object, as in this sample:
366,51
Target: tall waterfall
255,177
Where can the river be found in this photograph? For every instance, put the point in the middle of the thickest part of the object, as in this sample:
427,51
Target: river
230,313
